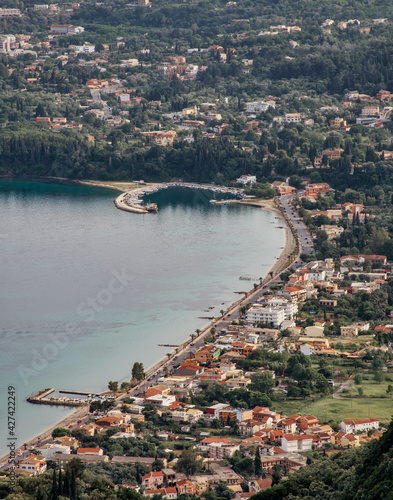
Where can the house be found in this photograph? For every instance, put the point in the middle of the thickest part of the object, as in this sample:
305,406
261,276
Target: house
370,111
218,448
33,465
286,425
169,493
282,188
90,451
315,190
152,480
207,354
314,331
214,374
48,451
66,29
260,412
343,440
349,331
292,443
222,474
246,179
185,486
163,400
306,422
384,96
63,459
148,461
259,485
364,425
257,107
110,421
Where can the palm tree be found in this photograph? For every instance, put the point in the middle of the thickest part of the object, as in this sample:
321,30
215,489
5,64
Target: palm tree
197,331
222,312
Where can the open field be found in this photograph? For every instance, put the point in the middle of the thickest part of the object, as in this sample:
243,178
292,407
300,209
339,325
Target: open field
339,409
370,389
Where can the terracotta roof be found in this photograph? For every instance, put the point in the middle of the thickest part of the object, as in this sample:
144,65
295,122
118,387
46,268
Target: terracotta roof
291,437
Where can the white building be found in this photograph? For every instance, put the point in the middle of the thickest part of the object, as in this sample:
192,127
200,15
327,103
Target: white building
257,107
87,48
9,12
33,464
266,314
246,179
66,29
161,399
293,117
5,43
364,425
48,451
290,308
291,443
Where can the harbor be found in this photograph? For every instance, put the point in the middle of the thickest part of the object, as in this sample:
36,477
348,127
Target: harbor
42,398
132,201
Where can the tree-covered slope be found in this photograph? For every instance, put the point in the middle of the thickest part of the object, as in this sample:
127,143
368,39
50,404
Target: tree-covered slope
361,473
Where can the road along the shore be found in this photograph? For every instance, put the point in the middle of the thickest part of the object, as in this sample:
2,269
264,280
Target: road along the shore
282,263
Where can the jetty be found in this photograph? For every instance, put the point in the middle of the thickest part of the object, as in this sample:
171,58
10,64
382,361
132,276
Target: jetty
80,393
42,398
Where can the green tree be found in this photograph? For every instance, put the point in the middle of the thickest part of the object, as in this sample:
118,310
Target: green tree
257,463
138,372
188,462
60,432
113,386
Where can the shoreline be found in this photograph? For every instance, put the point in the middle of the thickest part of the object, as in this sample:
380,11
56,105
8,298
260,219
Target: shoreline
277,267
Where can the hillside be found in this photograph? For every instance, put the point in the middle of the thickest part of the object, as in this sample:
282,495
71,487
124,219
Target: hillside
364,474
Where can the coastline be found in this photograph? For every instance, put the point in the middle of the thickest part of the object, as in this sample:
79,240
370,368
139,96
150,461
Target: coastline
274,270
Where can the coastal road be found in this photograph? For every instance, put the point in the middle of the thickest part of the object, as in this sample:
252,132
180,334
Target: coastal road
233,312
305,239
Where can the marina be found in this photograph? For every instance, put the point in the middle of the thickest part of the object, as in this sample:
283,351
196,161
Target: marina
132,201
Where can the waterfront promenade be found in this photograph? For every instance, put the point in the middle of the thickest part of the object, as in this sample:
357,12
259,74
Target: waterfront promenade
185,349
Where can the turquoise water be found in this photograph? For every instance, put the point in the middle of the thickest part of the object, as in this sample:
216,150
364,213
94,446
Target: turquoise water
86,290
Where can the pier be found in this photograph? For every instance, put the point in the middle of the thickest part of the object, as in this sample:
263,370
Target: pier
39,399
80,393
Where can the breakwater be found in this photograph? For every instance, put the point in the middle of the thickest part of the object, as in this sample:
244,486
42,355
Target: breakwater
132,201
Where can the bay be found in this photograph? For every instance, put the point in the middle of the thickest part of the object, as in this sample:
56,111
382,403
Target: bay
86,290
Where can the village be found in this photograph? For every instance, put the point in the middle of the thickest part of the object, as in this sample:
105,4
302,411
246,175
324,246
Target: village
273,352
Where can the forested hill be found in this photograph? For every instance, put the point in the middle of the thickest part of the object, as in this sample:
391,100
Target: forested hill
361,473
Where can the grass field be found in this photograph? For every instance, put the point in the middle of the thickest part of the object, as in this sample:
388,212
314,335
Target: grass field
370,389
327,409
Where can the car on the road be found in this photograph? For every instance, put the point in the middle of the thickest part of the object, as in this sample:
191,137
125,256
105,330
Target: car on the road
192,343
70,426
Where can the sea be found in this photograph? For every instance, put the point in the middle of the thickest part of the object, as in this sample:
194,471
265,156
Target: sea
86,289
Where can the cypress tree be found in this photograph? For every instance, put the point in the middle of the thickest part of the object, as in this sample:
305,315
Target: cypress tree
73,486
67,483
54,494
257,463
60,484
